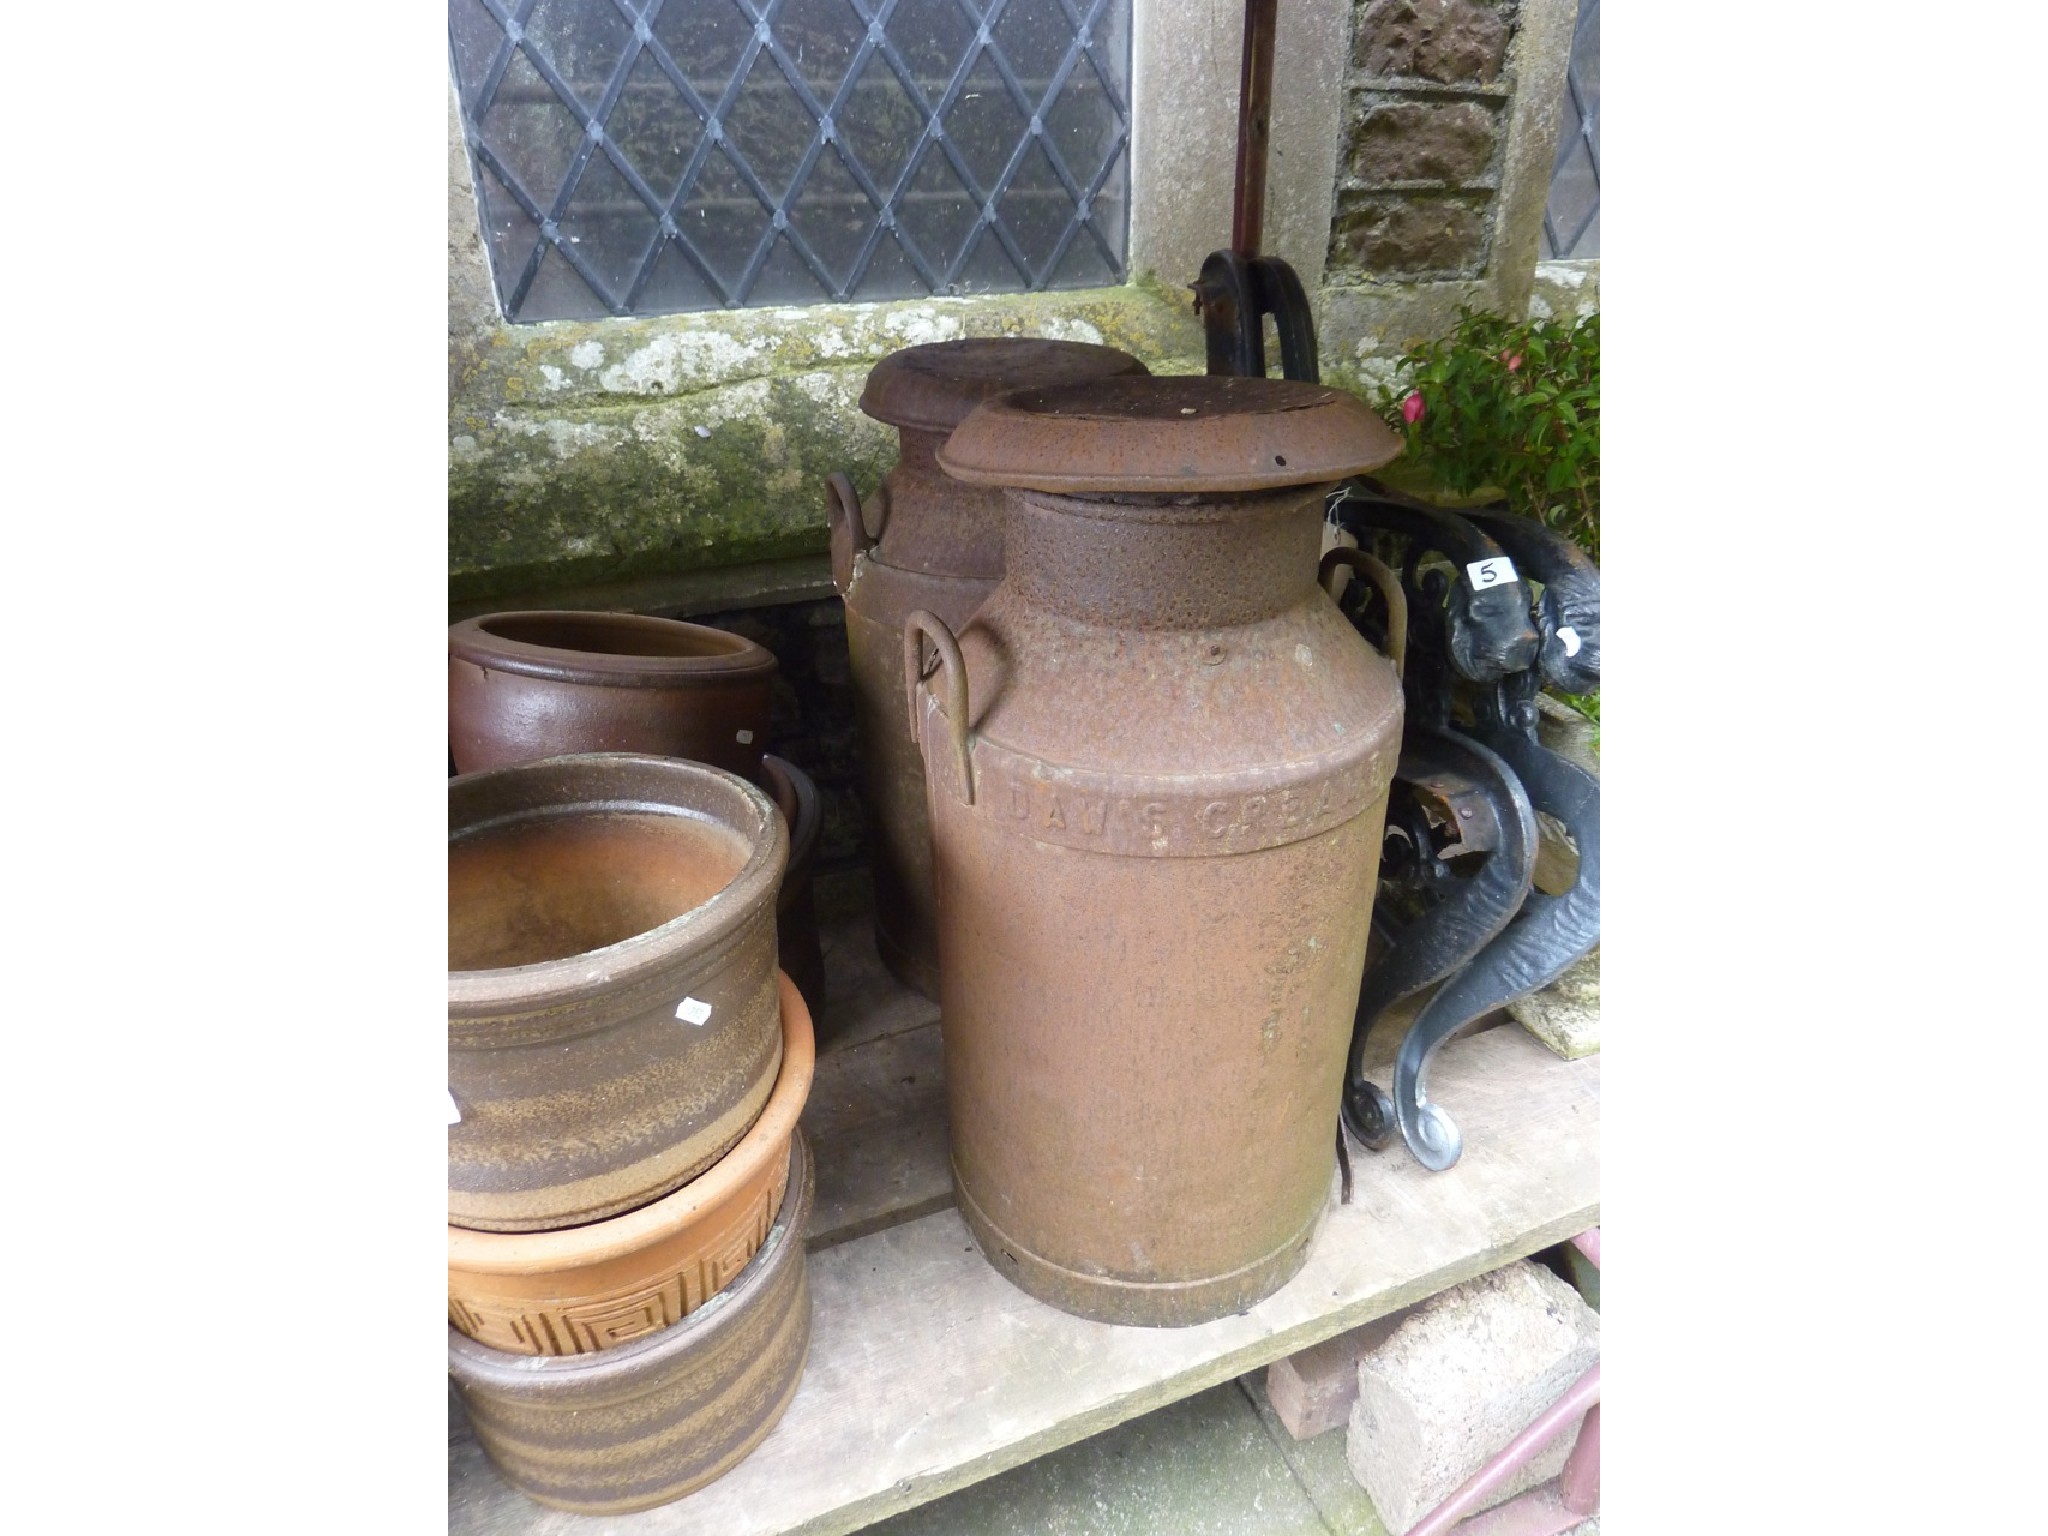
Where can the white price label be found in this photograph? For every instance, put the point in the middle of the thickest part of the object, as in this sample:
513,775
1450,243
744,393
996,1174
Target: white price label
1497,572
691,1011
1569,639
454,1109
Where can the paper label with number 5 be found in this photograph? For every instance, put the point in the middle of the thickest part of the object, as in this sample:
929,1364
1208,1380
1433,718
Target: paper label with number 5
1497,572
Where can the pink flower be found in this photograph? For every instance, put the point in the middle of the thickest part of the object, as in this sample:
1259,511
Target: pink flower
1513,362
1411,408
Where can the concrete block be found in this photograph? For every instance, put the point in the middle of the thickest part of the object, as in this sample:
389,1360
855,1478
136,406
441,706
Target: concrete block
1458,1380
1312,1391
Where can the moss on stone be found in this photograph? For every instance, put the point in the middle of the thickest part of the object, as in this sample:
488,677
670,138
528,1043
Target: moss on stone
603,492
590,452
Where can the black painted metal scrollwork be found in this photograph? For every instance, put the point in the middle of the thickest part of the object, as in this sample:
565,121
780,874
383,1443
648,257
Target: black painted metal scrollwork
1462,825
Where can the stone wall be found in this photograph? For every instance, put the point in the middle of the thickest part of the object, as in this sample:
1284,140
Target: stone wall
1427,115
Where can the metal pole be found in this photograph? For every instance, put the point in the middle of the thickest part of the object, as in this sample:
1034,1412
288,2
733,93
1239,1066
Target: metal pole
1254,126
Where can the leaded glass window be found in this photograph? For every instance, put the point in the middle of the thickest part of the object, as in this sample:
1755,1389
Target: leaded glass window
1571,218
638,157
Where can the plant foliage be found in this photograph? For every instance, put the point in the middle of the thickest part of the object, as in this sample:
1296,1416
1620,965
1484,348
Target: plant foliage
1513,407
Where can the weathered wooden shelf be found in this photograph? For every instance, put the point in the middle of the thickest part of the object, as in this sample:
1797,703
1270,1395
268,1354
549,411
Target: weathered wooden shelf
928,1371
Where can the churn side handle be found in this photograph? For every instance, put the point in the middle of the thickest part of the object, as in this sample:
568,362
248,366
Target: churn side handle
916,628
1390,588
849,534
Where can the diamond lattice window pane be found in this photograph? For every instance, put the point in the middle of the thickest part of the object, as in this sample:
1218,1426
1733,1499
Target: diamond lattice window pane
1571,218
654,156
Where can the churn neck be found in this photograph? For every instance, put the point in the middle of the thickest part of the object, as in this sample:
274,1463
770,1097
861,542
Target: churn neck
1186,561
933,523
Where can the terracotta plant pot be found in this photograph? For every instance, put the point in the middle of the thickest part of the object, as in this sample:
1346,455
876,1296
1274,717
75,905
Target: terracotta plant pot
596,1287
613,1023
650,1421
796,913
540,684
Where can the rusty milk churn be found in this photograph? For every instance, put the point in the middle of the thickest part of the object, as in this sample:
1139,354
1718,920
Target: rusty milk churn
924,541
1158,761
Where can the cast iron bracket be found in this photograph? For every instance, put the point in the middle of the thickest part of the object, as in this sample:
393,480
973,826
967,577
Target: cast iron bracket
1489,937
1233,295
1490,814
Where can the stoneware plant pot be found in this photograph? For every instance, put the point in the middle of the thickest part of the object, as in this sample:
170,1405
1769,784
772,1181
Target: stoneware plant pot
796,912
613,1015
590,1288
654,1419
539,684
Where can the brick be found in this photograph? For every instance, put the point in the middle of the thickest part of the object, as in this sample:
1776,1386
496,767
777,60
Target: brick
1422,141
1453,42
1461,1378
1312,1390
1389,235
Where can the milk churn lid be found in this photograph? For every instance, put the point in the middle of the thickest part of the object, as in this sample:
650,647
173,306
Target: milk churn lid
931,387
1168,434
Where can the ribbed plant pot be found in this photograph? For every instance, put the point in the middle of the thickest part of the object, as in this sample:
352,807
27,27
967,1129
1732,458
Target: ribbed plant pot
539,684
657,1418
796,910
590,1288
613,1013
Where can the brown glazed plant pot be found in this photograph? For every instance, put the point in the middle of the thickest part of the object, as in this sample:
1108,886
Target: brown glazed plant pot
652,1420
596,1287
540,684
613,1016
796,910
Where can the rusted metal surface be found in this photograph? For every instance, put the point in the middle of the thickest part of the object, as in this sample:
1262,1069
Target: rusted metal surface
1238,288
924,541
538,684
645,1423
1158,764
1207,434
1254,127
588,898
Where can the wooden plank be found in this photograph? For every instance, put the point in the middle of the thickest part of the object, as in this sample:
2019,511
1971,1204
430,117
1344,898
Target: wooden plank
876,1117
928,1371
876,1120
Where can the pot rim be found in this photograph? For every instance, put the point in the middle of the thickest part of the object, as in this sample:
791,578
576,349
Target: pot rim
567,1248
551,983
734,657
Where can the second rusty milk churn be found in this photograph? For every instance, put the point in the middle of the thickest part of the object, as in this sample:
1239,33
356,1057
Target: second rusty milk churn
924,542
1158,761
